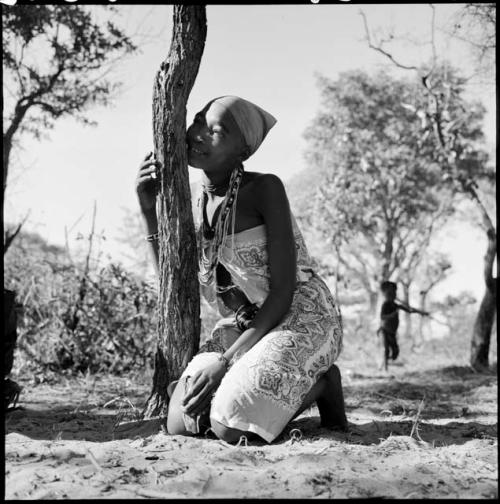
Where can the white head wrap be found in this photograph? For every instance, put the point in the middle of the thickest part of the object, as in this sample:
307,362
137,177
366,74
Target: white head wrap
253,121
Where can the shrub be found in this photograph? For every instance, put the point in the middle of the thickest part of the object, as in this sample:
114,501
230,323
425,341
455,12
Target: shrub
75,318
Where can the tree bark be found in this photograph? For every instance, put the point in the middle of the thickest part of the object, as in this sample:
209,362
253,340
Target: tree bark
387,255
179,301
421,323
373,303
481,334
19,113
408,324
10,329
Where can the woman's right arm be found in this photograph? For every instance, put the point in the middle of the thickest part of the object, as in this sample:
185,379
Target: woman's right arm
147,188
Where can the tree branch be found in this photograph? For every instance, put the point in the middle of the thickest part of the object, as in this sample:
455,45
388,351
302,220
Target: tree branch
10,237
382,51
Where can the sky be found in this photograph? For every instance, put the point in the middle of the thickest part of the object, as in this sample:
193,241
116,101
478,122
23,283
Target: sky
269,54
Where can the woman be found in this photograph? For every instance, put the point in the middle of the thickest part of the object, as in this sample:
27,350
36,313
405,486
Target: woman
272,357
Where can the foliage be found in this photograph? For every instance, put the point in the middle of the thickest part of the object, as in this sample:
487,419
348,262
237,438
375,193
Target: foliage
381,192
55,62
447,123
70,75
476,24
458,311
112,328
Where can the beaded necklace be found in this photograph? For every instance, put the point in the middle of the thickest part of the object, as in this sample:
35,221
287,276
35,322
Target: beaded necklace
208,262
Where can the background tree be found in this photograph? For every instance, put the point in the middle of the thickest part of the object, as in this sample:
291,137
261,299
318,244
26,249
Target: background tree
434,270
179,299
414,253
380,198
445,123
475,24
55,62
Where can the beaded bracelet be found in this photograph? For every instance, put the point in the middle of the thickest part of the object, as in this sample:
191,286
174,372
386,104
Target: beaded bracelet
224,360
152,237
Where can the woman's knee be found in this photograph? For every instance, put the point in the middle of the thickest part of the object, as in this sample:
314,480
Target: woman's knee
175,420
227,434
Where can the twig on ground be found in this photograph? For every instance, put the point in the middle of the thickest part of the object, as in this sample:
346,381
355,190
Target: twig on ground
414,429
224,443
320,452
93,460
155,474
386,396
144,492
119,398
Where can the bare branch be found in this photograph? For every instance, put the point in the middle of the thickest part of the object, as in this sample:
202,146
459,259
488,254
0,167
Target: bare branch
382,51
10,237
433,40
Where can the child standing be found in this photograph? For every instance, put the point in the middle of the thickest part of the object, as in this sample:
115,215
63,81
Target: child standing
389,320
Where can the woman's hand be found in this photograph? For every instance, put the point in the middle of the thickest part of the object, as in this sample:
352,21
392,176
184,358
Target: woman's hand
203,384
147,183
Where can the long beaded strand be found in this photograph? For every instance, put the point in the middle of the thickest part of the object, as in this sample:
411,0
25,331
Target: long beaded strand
207,264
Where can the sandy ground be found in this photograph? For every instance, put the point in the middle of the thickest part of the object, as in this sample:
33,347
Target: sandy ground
430,433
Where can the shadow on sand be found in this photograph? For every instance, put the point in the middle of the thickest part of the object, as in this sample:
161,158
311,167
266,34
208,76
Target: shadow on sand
61,422
445,391
451,433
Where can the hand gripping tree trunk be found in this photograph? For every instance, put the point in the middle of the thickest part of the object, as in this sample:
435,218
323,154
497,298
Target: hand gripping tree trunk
179,302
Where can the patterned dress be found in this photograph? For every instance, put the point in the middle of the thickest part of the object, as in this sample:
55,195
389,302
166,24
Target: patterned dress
264,388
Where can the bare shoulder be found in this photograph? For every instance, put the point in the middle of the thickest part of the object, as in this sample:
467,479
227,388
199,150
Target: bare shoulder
268,195
265,183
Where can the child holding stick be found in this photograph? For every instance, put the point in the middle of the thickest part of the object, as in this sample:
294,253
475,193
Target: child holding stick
389,320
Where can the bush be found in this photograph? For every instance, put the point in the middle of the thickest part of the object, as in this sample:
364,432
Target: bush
79,319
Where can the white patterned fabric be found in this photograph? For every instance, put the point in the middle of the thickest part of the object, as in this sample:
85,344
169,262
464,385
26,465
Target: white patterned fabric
265,387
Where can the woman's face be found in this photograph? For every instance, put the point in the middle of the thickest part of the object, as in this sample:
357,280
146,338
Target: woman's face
214,140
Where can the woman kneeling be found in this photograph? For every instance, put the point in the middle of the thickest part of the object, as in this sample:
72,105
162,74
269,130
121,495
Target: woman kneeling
272,354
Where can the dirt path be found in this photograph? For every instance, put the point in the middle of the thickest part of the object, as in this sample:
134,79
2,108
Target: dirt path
426,434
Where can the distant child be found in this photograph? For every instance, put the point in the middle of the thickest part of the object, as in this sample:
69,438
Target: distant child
389,320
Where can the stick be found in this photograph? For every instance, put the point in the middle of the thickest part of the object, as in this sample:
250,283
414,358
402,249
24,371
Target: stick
93,460
144,492
414,429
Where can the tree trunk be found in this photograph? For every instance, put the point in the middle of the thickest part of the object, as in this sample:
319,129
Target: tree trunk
10,329
387,255
373,302
7,146
408,328
179,302
8,137
481,334
422,321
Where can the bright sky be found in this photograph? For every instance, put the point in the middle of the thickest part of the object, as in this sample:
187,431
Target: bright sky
266,53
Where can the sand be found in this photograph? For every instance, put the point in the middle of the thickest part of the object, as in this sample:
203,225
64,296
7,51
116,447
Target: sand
430,433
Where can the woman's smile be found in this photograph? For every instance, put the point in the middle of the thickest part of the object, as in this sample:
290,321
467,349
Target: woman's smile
196,151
